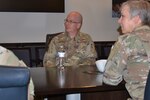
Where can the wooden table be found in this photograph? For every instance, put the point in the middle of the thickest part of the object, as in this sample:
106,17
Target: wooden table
52,82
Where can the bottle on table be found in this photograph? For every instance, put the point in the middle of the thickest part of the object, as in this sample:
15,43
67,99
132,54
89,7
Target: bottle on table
61,57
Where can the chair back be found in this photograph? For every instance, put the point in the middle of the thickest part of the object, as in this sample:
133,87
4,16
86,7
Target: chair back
14,83
49,37
147,88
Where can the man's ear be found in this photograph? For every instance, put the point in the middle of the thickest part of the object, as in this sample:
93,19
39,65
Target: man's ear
137,20
79,25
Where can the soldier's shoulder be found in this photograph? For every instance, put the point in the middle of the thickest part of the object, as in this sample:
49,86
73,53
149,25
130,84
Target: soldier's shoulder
85,36
59,36
127,37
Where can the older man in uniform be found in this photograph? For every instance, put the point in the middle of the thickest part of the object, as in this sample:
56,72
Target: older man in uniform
79,47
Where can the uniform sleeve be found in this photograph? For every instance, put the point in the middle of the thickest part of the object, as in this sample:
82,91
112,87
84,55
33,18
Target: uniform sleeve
7,57
50,55
115,65
90,54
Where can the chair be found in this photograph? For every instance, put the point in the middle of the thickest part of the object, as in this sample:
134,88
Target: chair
49,38
14,83
103,49
39,51
147,88
23,54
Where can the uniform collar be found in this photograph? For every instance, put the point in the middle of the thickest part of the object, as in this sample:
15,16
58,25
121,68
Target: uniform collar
144,27
75,38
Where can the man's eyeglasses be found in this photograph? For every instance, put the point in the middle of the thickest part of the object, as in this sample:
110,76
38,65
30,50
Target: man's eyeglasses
70,21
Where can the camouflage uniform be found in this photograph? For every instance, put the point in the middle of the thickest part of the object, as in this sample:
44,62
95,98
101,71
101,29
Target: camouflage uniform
129,60
8,58
79,51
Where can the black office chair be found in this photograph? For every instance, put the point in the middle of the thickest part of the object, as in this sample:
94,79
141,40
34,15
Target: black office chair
14,83
23,54
49,38
40,51
147,88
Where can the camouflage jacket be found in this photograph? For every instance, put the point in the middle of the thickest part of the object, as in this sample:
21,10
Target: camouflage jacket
129,60
78,51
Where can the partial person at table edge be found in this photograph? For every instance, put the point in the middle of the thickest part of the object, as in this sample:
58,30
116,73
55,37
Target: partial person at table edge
8,58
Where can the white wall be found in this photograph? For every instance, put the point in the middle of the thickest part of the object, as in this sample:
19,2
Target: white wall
33,27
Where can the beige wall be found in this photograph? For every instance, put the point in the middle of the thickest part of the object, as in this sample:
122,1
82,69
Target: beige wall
33,27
